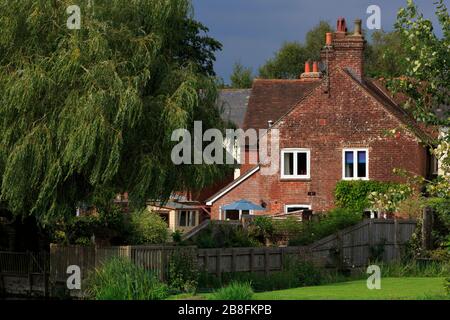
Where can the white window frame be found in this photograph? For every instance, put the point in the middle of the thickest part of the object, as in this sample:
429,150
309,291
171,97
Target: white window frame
355,163
288,206
308,163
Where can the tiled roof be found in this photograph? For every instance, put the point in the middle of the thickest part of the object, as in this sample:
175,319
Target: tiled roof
393,105
271,99
233,103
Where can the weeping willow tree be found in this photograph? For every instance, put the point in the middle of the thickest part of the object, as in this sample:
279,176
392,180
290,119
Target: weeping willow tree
86,113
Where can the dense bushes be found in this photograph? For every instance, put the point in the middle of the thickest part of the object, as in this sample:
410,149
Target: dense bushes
354,194
120,279
147,228
327,224
183,271
234,291
295,274
224,236
104,224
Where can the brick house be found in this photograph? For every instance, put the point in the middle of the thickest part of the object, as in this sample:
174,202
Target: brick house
332,124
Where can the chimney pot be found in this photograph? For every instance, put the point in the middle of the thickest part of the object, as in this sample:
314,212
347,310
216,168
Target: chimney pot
315,67
307,67
341,25
358,31
329,38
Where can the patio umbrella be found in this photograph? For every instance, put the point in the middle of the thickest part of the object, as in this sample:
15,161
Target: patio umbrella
243,205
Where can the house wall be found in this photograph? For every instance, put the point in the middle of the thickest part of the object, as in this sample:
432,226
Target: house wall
347,117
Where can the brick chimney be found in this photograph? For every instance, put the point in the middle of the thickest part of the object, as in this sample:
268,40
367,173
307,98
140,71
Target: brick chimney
345,49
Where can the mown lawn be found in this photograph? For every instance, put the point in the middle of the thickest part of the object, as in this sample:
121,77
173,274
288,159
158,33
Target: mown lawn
391,289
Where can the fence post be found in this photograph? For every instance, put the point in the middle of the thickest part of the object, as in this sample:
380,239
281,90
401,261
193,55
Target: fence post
218,263
252,258
233,260
282,259
2,284
266,261
30,269
46,274
396,240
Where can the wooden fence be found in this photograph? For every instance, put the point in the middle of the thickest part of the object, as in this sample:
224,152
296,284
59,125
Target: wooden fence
24,273
151,258
372,239
351,247
218,261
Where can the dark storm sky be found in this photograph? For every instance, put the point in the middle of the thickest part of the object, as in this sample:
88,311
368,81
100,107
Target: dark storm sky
252,30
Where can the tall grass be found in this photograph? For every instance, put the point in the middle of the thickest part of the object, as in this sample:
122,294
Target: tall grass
414,268
120,279
234,291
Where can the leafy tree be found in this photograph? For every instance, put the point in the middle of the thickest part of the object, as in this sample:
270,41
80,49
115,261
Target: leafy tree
88,113
289,61
385,55
426,85
315,40
241,77
427,80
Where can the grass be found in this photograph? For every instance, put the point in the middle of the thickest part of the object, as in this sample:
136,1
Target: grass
408,288
391,289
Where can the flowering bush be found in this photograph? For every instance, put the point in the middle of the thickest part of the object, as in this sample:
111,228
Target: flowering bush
389,201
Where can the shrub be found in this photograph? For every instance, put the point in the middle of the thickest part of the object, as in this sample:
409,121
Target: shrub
295,274
234,291
354,194
225,236
415,268
183,271
261,229
328,224
120,279
147,228
306,274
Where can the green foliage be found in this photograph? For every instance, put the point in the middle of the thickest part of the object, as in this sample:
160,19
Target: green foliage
79,104
225,236
177,236
120,279
261,228
295,274
147,228
328,224
183,271
415,268
106,225
354,194
385,55
241,78
289,61
234,291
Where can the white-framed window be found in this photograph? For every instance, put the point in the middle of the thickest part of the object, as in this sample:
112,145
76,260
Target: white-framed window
288,208
187,218
355,164
295,163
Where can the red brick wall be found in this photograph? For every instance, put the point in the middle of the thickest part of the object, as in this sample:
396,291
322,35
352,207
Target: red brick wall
348,117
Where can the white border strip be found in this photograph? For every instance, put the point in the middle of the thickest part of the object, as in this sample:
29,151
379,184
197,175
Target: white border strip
232,186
